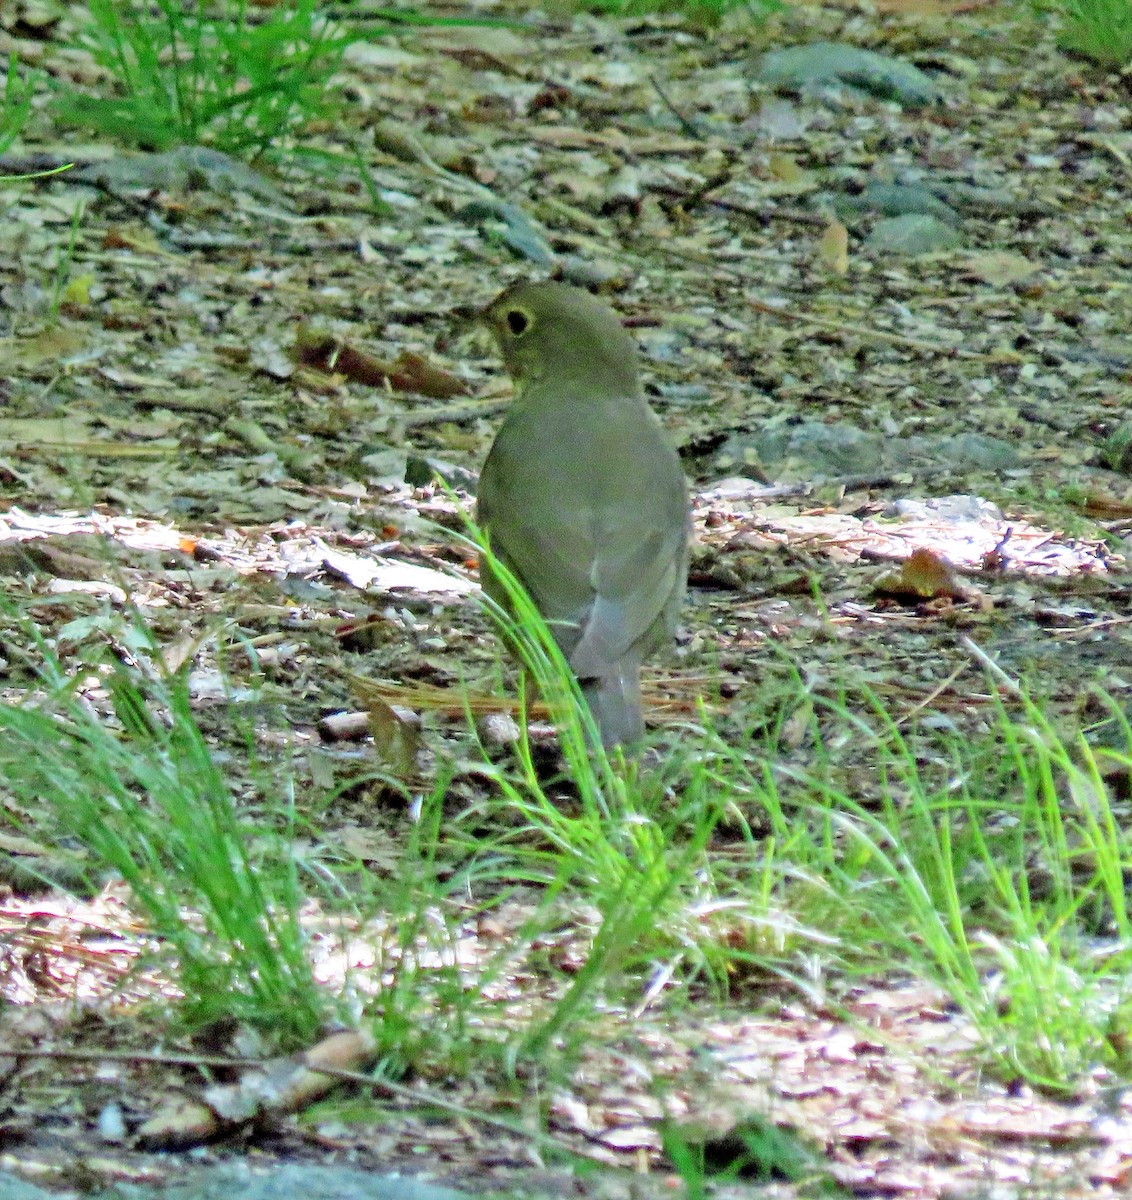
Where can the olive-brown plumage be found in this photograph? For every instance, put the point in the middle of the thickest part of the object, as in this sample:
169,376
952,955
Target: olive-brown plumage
582,496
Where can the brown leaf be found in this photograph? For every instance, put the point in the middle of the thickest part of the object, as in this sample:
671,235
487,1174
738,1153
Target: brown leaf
414,373
279,1085
925,575
181,1123
833,249
396,735
408,372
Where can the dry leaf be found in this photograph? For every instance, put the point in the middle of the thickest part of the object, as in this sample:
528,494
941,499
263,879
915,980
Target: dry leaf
396,735
280,1085
833,249
77,292
997,267
925,575
790,178
1103,507
52,345
181,1123
408,372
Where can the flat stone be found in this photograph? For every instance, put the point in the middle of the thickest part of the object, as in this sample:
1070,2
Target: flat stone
14,1188
911,235
896,200
801,68
951,509
811,450
276,1183
815,450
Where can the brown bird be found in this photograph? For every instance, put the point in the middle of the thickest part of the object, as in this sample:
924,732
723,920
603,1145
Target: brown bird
582,497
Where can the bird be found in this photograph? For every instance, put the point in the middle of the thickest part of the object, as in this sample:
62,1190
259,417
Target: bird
582,497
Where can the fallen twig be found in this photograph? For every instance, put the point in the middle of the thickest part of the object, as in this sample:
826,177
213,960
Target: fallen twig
981,656
881,335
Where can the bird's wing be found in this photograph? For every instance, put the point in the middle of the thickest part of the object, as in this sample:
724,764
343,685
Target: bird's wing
636,577
551,558
601,568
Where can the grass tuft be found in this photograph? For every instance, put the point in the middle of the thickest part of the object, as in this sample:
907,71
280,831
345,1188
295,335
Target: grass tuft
239,78
622,840
1100,30
994,868
15,103
147,801
705,12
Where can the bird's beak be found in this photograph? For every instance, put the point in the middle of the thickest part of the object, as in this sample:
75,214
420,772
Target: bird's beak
468,321
465,316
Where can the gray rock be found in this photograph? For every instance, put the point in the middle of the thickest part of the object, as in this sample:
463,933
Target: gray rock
951,452
798,68
777,121
184,169
911,235
812,450
384,465
583,272
14,1188
815,451
945,508
511,226
975,450
277,1183
733,487
896,200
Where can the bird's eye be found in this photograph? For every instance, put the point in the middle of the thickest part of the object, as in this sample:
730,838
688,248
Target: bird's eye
518,322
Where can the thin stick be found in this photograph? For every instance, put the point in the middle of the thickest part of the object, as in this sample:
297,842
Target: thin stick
882,335
687,125
981,656
381,1085
933,694
457,413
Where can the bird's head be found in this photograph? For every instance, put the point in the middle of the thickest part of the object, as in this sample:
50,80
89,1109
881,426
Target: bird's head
552,331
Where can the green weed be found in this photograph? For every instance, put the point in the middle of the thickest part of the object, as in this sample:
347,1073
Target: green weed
145,798
238,78
994,868
830,843
1098,29
706,12
619,842
15,104
64,263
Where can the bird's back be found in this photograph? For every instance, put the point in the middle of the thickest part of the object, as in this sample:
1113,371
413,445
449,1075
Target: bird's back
591,521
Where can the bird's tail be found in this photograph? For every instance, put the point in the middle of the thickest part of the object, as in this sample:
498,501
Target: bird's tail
615,701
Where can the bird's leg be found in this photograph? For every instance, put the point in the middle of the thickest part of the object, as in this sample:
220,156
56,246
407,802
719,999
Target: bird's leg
528,693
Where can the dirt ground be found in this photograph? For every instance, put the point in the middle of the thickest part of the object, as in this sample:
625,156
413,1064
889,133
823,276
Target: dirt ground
242,384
